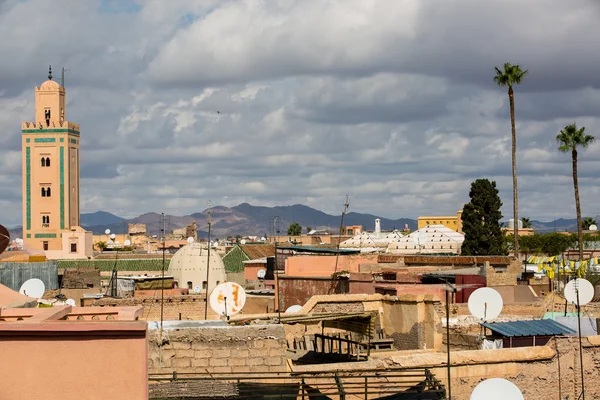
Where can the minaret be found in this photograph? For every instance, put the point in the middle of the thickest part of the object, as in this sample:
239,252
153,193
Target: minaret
50,170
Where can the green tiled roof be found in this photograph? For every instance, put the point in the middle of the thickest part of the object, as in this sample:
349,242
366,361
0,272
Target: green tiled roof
153,264
234,259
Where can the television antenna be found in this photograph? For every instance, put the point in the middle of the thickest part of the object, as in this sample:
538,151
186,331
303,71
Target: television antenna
209,222
33,288
227,299
579,292
420,237
485,303
337,254
496,389
113,276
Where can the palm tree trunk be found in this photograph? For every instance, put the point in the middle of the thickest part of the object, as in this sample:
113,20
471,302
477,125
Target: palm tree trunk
511,98
577,206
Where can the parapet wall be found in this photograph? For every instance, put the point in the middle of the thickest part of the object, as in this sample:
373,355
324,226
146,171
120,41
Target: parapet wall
218,349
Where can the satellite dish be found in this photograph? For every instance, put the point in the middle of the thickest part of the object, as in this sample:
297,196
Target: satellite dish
242,241
4,238
496,389
33,288
107,232
420,238
110,241
261,274
585,288
71,302
127,242
227,299
293,309
190,240
197,289
485,303
593,227
113,236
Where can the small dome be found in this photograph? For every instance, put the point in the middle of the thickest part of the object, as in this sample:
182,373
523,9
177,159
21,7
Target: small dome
50,85
188,267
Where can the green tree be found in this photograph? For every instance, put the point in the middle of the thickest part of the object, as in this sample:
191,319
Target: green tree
101,245
294,229
587,222
569,139
481,221
308,229
526,222
508,77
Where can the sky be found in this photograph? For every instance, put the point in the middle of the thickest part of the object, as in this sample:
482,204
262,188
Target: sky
281,102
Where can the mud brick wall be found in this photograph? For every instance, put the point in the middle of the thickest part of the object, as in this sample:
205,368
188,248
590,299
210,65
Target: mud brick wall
222,349
340,307
81,278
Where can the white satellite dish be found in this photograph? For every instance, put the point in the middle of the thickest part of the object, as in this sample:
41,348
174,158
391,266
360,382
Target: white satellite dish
293,309
113,236
261,273
485,303
242,241
127,242
227,299
197,289
33,288
110,241
593,227
107,232
71,302
585,288
420,238
190,240
496,389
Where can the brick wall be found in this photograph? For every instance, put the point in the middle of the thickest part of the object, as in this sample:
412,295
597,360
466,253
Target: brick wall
502,274
228,349
81,278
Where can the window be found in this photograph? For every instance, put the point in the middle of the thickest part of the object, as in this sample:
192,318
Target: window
204,285
45,221
45,244
47,161
190,285
43,162
73,247
47,192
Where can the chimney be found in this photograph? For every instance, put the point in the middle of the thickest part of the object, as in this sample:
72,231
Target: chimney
377,225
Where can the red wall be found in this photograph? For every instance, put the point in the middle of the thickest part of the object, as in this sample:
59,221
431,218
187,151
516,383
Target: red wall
463,295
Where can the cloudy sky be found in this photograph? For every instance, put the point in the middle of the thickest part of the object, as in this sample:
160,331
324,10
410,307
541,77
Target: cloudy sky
278,102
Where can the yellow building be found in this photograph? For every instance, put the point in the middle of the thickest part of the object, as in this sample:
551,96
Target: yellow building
50,163
453,222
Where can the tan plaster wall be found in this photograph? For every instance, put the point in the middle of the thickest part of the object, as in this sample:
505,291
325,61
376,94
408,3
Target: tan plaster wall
229,349
74,365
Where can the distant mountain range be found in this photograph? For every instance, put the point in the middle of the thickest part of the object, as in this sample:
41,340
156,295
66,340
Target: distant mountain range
246,219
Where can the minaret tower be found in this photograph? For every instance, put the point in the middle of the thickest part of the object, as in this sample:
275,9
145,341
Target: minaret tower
50,170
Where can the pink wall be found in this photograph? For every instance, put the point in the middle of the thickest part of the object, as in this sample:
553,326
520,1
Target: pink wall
73,360
251,270
325,265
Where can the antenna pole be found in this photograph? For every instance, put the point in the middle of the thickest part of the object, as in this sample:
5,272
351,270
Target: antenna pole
162,283
580,346
209,205
275,269
337,255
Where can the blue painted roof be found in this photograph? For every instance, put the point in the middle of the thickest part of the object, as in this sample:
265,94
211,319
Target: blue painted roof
537,327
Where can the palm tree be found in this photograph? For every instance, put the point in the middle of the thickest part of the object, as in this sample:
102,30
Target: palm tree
587,222
569,139
526,222
510,76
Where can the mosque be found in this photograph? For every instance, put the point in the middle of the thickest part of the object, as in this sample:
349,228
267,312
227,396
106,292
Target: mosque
51,163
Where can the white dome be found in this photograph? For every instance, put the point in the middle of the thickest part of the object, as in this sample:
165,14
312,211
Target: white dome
188,267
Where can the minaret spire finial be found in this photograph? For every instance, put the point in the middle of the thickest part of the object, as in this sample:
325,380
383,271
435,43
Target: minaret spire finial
50,72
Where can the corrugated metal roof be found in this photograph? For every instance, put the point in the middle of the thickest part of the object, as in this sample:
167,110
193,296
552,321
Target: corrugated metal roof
318,249
538,327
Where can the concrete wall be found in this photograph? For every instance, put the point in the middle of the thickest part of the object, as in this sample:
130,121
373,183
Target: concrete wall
73,360
14,274
298,290
219,349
